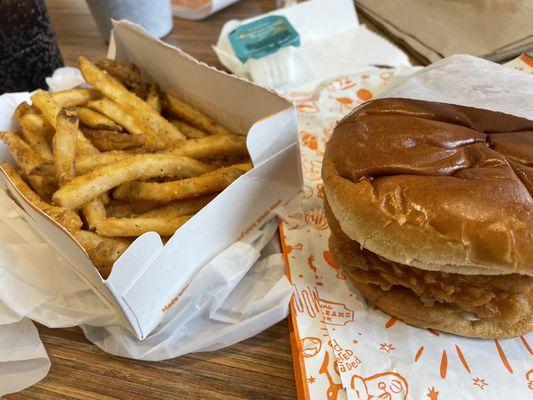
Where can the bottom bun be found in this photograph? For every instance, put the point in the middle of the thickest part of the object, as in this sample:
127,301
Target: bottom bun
403,304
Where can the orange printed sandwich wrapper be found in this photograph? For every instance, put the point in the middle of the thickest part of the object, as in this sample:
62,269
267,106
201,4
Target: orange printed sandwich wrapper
343,347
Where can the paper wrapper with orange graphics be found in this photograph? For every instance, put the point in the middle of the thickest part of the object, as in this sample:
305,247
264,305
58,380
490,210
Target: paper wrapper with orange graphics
344,348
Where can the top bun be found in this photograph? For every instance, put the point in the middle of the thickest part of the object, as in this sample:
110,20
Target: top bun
435,186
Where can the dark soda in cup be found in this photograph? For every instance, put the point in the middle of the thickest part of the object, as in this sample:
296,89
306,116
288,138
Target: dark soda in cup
28,46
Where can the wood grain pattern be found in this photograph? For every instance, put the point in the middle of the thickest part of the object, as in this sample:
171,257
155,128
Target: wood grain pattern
258,368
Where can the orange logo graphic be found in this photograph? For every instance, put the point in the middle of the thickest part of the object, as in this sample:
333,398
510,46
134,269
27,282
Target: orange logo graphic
298,96
345,103
309,140
364,94
306,301
341,83
297,246
316,217
386,386
320,191
529,379
311,264
334,388
432,394
480,383
311,346
346,359
308,106
387,347
333,264
313,170
307,192
336,313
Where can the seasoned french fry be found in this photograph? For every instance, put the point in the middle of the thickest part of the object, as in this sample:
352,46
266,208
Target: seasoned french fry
110,87
226,161
208,183
211,146
65,217
188,130
136,226
179,208
84,188
153,99
44,185
121,209
112,140
103,251
84,145
129,75
45,103
95,120
37,140
25,157
64,145
43,100
74,97
88,162
133,125
178,108
94,211
105,197
37,124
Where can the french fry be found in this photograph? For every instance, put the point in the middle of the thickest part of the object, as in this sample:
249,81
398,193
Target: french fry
65,217
64,145
153,99
37,140
29,119
94,211
88,162
44,185
45,103
25,157
43,100
95,120
74,97
133,125
179,208
226,161
129,75
121,209
178,108
188,130
136,226
106,140
211,146
84,145
84,188
110,87
105,198
103,251
202,185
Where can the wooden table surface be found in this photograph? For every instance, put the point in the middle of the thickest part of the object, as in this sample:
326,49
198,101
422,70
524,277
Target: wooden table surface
258,368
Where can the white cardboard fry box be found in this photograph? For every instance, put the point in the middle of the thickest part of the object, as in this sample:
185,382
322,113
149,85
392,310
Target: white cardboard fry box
149,277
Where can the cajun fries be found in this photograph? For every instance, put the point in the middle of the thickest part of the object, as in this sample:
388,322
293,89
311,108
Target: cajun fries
106,164
178,108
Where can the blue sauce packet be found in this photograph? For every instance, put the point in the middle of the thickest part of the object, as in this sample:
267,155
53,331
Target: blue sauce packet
263,37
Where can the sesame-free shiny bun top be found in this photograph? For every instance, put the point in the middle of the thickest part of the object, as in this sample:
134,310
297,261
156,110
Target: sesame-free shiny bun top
435,186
